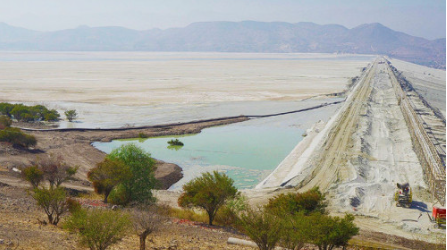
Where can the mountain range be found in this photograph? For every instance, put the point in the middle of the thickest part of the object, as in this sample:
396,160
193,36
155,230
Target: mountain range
246,36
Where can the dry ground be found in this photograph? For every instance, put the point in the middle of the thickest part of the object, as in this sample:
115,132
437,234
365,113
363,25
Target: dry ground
20,226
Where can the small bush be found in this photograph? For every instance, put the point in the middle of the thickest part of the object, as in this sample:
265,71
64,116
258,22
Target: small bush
71,115
228,214
307,202
34,175
73,205
175,142
99,229
293,231
5,122
142,135
328,232
188,214
16,137
53,202
147,219
209,192
262,227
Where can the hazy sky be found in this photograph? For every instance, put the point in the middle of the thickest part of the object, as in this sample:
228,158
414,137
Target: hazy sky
425,18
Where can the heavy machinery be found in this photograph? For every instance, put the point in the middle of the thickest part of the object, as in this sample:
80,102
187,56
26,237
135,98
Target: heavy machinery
403,195
438,216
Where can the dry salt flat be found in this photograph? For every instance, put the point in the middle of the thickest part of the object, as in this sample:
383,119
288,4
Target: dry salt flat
150,88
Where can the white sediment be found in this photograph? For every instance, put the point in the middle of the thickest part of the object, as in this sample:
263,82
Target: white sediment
296,163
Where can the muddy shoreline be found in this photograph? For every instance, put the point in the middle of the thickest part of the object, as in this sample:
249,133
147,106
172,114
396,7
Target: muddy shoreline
75,146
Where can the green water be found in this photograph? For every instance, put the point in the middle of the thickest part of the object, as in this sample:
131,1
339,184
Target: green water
246,151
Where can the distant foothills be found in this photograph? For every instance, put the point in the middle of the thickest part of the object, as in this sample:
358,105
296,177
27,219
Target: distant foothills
246,36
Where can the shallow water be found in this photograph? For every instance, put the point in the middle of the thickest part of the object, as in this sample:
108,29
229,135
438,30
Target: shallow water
246,151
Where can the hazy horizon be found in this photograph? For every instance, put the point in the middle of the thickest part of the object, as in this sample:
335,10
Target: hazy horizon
421,18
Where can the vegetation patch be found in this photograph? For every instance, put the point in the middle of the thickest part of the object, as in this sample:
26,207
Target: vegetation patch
175,142
15,136
24,113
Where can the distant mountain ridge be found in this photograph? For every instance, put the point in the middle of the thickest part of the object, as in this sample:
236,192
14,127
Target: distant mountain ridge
246,36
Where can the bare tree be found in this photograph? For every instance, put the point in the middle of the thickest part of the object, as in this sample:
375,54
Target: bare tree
147,219
55,170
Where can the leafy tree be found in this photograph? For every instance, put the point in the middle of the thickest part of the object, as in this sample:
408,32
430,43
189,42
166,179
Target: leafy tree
262,227
139,187
147,220
209,192
28,113
5,108
291,203
107,174
51,116
53,202
71,114
33,175
5,122
328,232
98,229
21,113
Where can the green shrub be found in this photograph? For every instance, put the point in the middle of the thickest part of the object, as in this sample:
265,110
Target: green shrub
175,142
262,227
209,192
228,214
73,205
293,231
118,196
53,202
33,174
71,115
328,232
188,214
98,229
142,135
28,113
5,122
107,174
138,188
292,203
16,137
5,108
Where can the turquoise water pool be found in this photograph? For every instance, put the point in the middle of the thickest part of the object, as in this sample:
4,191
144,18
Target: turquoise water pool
246,151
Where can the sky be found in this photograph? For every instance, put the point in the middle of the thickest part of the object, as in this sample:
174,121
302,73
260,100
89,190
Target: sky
424,18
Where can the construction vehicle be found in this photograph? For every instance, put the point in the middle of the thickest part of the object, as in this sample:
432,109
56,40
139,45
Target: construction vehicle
438,216
403,196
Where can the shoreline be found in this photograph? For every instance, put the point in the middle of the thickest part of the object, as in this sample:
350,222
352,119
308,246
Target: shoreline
75,146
